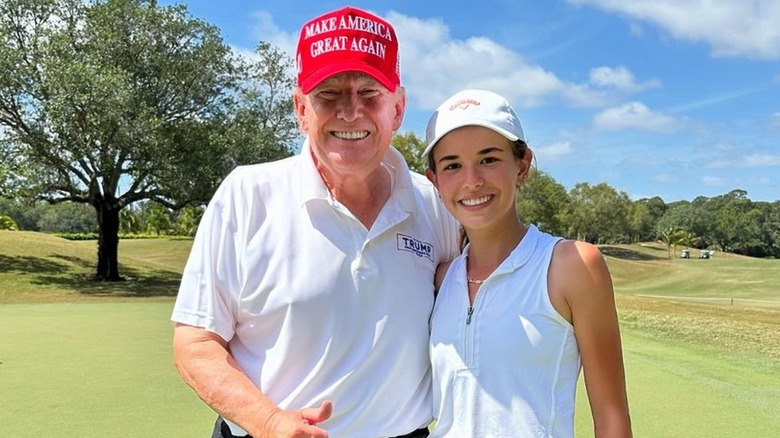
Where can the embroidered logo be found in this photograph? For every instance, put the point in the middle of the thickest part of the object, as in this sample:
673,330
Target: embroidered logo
464,104
416,246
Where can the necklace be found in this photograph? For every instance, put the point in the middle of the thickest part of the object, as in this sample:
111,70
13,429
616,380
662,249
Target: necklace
468,277
472,281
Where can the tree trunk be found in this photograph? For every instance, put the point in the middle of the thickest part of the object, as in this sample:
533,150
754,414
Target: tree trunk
108,243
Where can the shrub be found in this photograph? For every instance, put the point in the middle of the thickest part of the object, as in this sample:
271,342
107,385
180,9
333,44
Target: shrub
6,223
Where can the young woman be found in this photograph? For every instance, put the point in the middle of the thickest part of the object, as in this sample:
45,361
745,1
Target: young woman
519,312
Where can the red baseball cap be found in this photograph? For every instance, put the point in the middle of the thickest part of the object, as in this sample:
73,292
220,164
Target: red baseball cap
347,39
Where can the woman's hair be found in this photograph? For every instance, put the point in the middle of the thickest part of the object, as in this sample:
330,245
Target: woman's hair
519,150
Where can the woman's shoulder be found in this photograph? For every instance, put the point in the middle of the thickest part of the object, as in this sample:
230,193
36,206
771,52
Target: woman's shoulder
577,267
574,253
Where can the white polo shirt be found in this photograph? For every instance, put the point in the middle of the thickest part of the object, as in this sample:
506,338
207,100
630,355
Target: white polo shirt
315,306
508,368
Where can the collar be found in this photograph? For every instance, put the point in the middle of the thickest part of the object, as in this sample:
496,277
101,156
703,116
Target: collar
314,188
517,258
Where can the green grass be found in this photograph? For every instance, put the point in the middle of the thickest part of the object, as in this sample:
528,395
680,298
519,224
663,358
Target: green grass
93,370
43,268
730,303
676,389
78,358
646,270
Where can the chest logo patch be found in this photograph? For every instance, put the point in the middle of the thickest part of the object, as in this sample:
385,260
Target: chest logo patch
416,246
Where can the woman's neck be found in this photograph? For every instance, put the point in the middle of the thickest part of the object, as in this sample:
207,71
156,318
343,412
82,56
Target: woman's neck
489,248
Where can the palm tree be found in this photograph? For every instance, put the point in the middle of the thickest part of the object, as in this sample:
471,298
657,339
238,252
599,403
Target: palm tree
672,237
689,239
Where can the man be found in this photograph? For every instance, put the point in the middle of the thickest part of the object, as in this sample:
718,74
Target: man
303,308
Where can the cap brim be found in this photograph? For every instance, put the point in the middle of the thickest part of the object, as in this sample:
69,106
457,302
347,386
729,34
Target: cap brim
491,126
333,69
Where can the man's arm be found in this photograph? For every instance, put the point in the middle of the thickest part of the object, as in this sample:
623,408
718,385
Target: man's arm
204,362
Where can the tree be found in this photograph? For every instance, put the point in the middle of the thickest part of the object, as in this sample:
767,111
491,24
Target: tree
187,221
702,220
599,213
689,239
771,228
66,218
158,219
113,102
411,147
671,237
543,201
645,215
129,221
24,216
678,215
738,224
640,223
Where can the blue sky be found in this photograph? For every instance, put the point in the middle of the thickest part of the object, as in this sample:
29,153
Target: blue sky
669,98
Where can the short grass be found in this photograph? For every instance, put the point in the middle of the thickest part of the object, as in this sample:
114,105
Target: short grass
730,303
677,389
78,358
646,270
93,370
42,268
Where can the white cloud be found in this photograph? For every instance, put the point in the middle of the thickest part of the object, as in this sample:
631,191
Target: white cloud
722,147
761,160
666,178
553,152
434,65
619,78
731,28
713,180
751,161
634,115
265,29
583,95
719,164
762,181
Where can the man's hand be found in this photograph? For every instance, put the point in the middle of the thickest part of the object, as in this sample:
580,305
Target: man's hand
298,424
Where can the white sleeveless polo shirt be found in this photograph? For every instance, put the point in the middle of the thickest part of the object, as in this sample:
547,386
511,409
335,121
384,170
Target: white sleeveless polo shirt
512,370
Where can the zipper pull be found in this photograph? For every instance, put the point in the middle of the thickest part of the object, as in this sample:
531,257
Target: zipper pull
468,316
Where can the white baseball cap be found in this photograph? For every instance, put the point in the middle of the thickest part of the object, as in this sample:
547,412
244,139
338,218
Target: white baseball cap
473,108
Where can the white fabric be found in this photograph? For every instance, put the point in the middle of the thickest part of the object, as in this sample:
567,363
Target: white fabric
473,108
315,306
513,370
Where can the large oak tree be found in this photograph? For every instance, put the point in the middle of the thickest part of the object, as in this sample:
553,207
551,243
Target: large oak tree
116,101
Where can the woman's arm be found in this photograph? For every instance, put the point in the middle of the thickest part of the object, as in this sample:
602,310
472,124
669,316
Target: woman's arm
581,278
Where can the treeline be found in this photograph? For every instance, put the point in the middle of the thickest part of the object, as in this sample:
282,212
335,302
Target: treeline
146,217
600,214
597,213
